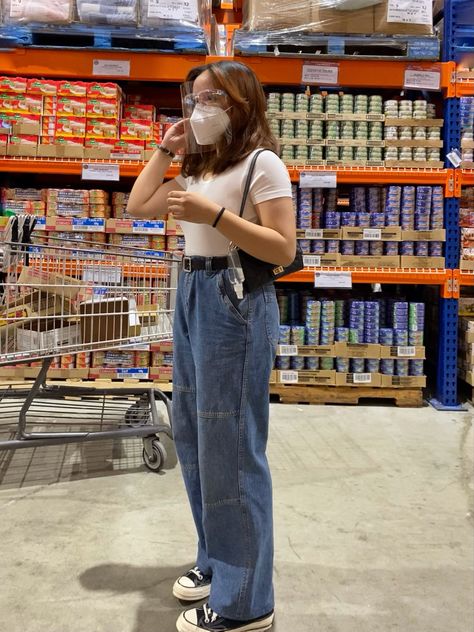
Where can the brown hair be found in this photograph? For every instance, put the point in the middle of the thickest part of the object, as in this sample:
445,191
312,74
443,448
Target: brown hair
250,129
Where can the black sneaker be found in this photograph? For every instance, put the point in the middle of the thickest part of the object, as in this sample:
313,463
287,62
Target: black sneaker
204,619
193,586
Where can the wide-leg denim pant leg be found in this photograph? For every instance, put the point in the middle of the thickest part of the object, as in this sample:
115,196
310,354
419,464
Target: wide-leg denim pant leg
224,349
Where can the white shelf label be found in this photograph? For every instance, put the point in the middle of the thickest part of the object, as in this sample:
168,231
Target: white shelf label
362,378
148,227
410,11
321,74
313,233
333,279
111,68
406,352
422,79
372,234
180,10
318,180
102,275
311,261
287,350
87,225
289,377
109,173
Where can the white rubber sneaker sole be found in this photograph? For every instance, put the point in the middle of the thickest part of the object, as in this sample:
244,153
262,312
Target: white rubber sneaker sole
191,594
182,625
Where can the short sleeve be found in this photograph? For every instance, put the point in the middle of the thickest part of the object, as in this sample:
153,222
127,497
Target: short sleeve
182,181
271,179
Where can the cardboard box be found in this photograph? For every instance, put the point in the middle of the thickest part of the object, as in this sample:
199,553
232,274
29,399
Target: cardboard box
104,90
422,262
370,261
424,235
263,15
68,127
136,129
325,20
103,108
76,224
396,28
71,106
466,264
359,379
102,128
16,85
60,151
72,88
22,150
327,378
402,352
47,335
131,373
467,376
172,226
391,233
108,319
163,373
397,381
162,347
357,350
45,87
466,307
57,284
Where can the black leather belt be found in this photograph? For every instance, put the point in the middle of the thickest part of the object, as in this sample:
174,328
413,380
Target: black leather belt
190,264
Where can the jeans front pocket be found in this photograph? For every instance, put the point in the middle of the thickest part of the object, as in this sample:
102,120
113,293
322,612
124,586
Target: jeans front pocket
238,308
272,314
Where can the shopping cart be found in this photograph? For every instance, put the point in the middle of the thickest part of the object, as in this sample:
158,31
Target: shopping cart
63,299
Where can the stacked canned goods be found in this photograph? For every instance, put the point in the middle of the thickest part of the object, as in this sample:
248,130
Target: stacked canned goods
323,321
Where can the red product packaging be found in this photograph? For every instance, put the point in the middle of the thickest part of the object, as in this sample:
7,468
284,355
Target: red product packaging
46,87
50,106
21,104
141,112
72,88
128,150
104,90
71,106
48,126
100,143
17,85
71,141
102,128
48,139
3,140
70,126
103,108
24,139
135,129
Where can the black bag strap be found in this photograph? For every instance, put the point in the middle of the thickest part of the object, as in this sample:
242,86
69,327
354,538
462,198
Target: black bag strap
248,180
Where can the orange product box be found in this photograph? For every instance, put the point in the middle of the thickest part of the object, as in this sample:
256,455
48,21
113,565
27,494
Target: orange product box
72,88
141,112
72,106
135,129
48,139
46,87
24,139
128,150
100,143
70,126
50,106
103,108
48,126
102,128
17,85
71,141
104,90
21,104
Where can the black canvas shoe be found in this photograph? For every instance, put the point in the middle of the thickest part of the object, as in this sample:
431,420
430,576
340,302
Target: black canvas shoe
192,586
204,619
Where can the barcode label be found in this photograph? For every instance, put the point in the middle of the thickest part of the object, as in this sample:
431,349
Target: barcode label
313,233
407,352
105,275
289,377
311,261
372,233
287,350
362,378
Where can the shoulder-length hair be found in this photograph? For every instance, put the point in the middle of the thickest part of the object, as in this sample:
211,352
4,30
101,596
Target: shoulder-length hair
250,129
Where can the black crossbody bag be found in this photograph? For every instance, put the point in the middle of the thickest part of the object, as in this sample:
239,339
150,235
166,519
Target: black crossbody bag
256,271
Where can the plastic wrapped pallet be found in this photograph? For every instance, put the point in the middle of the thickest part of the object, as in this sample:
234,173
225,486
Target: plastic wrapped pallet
114,12
42,11
183,13
404,17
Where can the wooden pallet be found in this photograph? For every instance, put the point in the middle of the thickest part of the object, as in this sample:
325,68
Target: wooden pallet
351,395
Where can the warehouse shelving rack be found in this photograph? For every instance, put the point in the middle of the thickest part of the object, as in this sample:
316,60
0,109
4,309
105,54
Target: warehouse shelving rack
170,68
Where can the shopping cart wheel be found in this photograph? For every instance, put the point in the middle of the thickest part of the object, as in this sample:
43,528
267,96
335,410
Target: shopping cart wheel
156,460
138,415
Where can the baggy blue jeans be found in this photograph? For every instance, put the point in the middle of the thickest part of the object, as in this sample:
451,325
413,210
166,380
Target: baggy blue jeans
224,350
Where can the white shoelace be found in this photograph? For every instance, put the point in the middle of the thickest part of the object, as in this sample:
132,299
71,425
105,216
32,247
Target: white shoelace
209,615
197,572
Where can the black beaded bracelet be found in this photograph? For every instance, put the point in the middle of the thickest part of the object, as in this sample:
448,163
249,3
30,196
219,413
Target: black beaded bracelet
218,216
166,151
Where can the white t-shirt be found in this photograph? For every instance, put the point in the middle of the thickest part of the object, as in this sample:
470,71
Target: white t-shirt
270,180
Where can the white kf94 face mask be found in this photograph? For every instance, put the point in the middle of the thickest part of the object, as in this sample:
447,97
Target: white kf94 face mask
209,123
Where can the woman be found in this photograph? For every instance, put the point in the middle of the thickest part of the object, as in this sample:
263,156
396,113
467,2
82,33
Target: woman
224,339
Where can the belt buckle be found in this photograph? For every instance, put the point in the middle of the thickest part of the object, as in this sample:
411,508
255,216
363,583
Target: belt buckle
187,264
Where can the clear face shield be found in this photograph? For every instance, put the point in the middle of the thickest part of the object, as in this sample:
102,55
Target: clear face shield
207,121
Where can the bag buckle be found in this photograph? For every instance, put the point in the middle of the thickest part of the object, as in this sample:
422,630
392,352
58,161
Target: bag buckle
187,264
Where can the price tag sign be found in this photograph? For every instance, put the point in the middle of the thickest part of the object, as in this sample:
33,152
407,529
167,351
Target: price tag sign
313,233
406,352
362,378
111,68
153,227
372,234
318,180
333,279
289,377
88,225
287,350
422,79
311,261
321,74
107,173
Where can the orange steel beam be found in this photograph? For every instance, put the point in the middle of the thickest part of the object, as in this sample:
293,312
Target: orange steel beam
464,277
466,177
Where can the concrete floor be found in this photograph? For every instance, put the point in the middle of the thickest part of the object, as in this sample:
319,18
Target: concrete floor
374,515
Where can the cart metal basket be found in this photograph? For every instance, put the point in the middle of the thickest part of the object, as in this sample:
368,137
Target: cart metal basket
63,299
